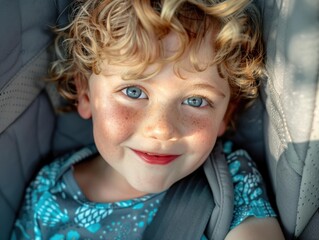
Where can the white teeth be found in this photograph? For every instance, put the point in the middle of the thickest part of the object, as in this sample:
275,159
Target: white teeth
154,154
151,154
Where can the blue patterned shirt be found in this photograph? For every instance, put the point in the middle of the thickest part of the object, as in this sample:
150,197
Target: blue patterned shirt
55,207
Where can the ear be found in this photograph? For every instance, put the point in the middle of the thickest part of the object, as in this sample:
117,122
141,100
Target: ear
83,97
227,117
222,128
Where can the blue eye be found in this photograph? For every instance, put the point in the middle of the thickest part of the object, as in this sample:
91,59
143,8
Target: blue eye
195,102
134,92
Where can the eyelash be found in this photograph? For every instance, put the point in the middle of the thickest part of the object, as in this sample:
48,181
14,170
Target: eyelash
209,102
133,86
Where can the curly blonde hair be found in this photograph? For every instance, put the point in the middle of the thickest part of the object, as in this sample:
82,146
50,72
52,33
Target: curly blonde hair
129,32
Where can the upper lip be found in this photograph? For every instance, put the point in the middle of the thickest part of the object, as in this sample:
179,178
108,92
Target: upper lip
156,154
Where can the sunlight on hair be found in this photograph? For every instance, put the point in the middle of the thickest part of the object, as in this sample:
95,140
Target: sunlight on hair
131,33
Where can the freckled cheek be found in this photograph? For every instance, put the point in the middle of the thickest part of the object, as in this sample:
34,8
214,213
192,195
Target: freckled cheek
114,122
202,132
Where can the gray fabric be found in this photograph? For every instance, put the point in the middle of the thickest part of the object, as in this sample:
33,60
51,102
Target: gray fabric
26,118
10,40
22,145
25,29
22,89
252,141
71,132
287,193
309,232
292,103
219,179
308,203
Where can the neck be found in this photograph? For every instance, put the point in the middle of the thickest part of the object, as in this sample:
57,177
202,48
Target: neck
99,182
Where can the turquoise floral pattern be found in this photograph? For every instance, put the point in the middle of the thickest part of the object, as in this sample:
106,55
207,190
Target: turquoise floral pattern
49,212
250,198
86,216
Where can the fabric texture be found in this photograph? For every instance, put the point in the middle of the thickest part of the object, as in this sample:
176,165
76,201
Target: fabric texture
291,96
55,207
26,117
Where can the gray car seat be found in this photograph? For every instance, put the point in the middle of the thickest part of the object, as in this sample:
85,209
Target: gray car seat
29,126
31,131
292,118
25,136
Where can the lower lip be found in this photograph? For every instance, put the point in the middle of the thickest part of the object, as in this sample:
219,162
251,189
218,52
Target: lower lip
156,159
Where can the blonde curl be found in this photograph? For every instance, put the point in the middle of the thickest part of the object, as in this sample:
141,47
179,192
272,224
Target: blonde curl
129,32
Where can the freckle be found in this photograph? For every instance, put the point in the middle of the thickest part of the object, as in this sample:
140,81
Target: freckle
197,123
125,114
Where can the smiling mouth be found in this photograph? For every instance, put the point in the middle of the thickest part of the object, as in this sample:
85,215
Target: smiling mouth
153,158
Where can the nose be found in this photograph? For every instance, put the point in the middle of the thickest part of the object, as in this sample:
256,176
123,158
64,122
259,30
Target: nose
161,124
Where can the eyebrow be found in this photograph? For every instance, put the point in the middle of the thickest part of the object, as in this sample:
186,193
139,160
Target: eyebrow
200,86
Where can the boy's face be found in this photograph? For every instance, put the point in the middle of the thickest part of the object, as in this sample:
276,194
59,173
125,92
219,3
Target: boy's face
152,133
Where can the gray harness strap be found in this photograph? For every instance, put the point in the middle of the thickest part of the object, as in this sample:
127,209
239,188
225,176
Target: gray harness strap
219,179
190,209
184,212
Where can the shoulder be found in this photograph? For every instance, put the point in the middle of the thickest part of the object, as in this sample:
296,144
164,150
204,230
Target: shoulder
250,198
47,178
241,166
47,175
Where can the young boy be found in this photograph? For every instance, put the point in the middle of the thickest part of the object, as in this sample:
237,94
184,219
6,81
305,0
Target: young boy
160,80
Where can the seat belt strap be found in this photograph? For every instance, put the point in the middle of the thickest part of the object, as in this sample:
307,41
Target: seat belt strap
184,212
219,178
